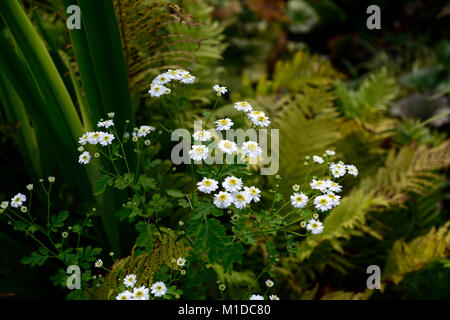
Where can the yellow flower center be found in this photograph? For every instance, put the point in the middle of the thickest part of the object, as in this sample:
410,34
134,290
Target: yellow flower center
223,121
156,88
198,150
323,201
207,183
139,294
240,197
233,182
261,118
299,199
227,145
222,197
252,146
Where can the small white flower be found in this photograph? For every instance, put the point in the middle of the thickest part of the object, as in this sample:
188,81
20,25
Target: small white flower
269,283
4,204
241,199
106,123
126,295
253,192
130,280
253,114
147,142
227,146
202,135
319,185
106,138
158,289
243,106
323,203
262,121
251,149
256,297
157,90
175,74
274,297
23,209
335,199
198,152
140,293
220,90
84,158
314,226
330,152
351,169
99,263
223,200
30,187
143,131
161,79
111,115
295,187
223,124
51,179
337,169
94,136
84,139
17,200
207,185
181,262
232,184
299,200
187,78
333,186
318,159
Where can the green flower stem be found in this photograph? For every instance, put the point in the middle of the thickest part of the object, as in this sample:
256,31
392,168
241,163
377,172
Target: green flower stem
213,111
121,146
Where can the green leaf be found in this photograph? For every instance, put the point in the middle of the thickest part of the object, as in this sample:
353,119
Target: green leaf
209,236
183,203
35,259
101,184
147,182
58,221
233,253
175,193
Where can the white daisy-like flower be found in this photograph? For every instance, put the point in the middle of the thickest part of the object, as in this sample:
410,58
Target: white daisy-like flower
337,169
158,289
330,152
351,169
274,297
253,192
334,198
161,79
84,158
262,121
269,283
198,152
187,78
93,137
106,138
157,90
223,199
299,200
98,263
317,159
207,185
144,131
130,280
17,200
241,199
175,74
232,184
220,90
323,203
253,114
141,293
251,149
181,262
243,106
223,124
4,204
202,135
256,297
106,123
314,226
126,295
319,185
228,146
84,139
333,186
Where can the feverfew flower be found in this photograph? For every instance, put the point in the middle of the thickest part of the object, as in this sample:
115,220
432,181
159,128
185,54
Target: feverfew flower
318,159
295,187
256,297
175,74
314,226
93,137
143,131
207,185
253,192
269,283
299,200
262,121
337,169
99,263
51,179
333,186
130,280
232,184
141,293
4,204
253,114
84,158
187,78
323,203
243,106
30,187
161,79
223,124
330,152
227,146
198,152
274,297
241,199
126,295
84,139
106,123
17,200
351,169
202,135
106,138
335,199
319,185
220,90
251,149
181,262
158,289
157,90
223,200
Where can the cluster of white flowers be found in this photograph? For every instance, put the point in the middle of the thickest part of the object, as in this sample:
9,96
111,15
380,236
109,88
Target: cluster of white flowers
158,88
103,138
158,289
202,135
235,192
199,152
339,169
